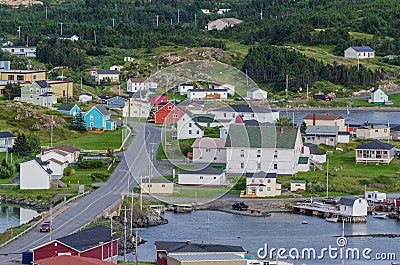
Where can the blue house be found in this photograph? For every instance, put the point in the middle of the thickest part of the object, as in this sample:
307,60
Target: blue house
116,102
98,118
69,109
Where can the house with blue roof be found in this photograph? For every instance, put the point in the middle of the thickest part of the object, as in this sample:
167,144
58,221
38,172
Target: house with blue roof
69,109
359,52
98,118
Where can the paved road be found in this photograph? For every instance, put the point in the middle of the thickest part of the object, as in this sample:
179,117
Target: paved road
83,211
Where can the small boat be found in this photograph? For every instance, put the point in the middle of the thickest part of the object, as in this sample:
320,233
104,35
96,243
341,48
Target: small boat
379,215
332,219
304,222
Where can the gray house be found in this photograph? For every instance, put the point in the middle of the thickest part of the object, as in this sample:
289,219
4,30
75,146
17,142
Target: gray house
116,102
322,135
6,141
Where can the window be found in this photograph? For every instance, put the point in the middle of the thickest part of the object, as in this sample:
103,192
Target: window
201,177
261,181
10,77
190,131
276,154
190,124
252,115
258,165
268,188
37,90
385,130
241,153
242,165
197,132
224,115
376,131
208,150
91,124
215,158
258,153
233,115
163,185
252,180
175,116
268,181
260,189
34,77
20,77
91,117
275,166
169,107
215,177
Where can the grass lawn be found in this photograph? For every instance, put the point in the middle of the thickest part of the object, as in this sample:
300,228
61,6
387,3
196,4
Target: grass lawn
198,192
95,140
82,176
348,177
365,103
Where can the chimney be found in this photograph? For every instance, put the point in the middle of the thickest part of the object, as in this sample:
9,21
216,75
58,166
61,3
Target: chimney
281,129
188,242
314,118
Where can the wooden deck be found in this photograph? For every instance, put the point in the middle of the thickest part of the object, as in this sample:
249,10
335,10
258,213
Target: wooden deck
327,212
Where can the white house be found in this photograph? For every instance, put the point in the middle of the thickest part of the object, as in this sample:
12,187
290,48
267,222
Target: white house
35,174
139,84
21,50
72,153
199,94
325,120
7,140
375,196
187,128
262,184
258,113
103,76
204,175
209,150
353,206
359,52
263,148
85,97
229,87
183,88
116,68
378,97
375,152
322,135
311,150
256,94
159,186
68,37
136,109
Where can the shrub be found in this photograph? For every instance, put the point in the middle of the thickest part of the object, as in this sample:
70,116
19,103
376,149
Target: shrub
99,176
89,164
69,171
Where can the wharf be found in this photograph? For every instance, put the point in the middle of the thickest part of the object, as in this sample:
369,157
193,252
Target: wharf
327,212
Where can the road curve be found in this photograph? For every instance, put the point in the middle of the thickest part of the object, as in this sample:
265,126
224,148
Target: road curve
135,159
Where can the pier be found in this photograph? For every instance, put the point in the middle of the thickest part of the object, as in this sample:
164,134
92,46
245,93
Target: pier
327,212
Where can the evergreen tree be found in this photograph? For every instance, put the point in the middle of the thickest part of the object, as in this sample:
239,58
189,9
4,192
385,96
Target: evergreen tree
26,145
78,122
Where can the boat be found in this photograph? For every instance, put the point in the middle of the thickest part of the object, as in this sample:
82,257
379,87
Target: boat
379,215
304,222
183,208
332,219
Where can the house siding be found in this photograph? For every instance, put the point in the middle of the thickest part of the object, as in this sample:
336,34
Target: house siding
33,176
52,249
201,179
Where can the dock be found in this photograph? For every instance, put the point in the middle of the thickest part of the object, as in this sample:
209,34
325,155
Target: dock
327,212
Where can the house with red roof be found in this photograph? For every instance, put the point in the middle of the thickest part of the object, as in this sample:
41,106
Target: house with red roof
169,113
325,120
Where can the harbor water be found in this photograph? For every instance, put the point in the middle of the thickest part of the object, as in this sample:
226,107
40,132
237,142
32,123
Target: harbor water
12,216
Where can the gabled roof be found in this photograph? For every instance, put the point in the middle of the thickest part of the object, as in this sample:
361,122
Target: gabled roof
102,109
87,239
42,83
6,135
377,145
208,170
322,130
107,72
181,247
261,137
362,49
65,148
244,108
395,129
261,174
138,80
207,142
68,36
66,106
324,117
376,89
313,149
43,164
348,200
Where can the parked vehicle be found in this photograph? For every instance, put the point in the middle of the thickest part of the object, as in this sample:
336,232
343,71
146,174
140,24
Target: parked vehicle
240,206
45,227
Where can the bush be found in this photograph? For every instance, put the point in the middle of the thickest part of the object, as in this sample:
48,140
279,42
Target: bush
90,164
99,176
69,171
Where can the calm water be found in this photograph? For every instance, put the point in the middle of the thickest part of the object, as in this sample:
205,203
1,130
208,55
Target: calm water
279,230
11,216
354,117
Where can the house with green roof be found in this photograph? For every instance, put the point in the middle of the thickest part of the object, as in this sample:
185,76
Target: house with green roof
263,148
68,109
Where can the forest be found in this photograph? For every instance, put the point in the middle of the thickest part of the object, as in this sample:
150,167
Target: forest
123,24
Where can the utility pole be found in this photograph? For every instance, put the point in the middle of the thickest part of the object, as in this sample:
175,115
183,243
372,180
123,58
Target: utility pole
132,210
261,15
141,194
61,26
125,221
171,21
327,178
19,34
307,91
51,132
46,10
136,246
111,254
157,21
178,15
51,220
195,19
287,85
94,33
113,22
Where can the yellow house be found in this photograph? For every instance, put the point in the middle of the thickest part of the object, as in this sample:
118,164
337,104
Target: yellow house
22,75
371,131
157,187
62,88
296,185
262,184
325,120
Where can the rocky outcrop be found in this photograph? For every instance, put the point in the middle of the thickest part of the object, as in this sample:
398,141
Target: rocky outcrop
25,204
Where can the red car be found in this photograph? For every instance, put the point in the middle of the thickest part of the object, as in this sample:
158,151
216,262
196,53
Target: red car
45,227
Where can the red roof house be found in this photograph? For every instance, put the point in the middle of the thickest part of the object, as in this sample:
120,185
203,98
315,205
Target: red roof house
169,113
156,99
93,243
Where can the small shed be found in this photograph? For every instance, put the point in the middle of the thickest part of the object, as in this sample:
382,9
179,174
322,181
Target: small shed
353,206
298,185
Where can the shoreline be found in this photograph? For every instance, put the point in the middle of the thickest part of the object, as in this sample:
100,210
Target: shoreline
310,109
